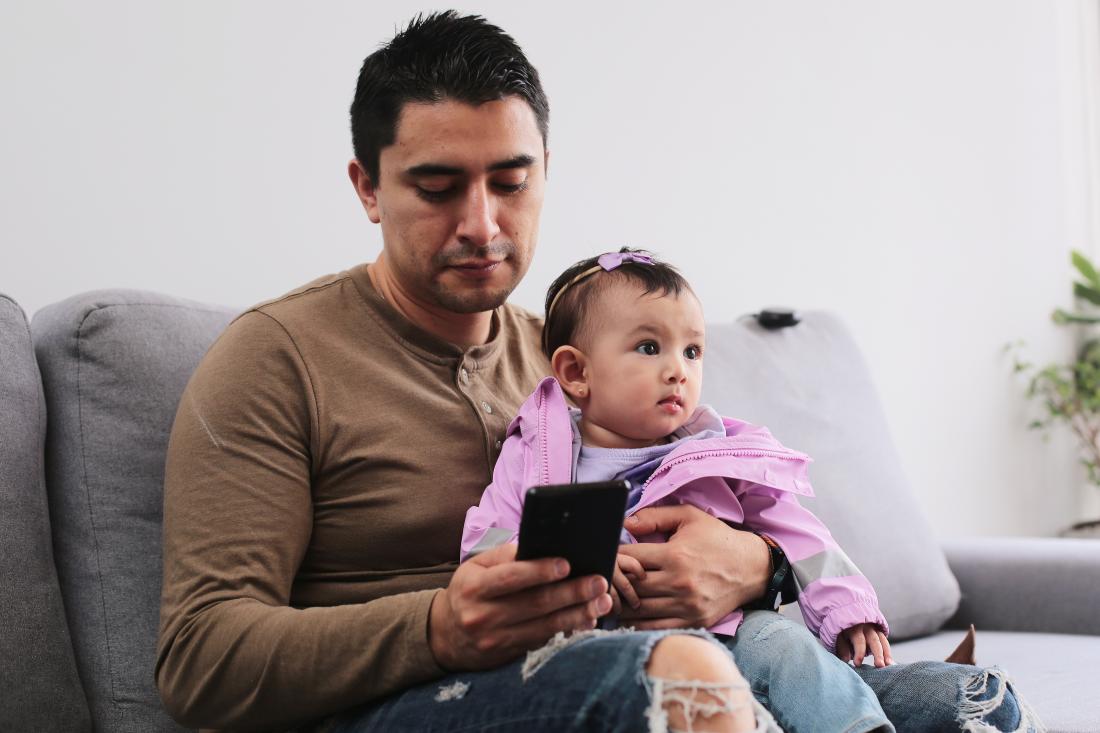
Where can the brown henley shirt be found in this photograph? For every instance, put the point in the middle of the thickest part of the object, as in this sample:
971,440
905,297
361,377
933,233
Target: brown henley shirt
323,458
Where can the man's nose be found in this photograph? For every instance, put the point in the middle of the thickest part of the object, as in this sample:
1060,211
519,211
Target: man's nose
478,225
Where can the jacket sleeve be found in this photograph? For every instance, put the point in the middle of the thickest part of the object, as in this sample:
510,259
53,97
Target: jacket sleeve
495,520
232,652
833,594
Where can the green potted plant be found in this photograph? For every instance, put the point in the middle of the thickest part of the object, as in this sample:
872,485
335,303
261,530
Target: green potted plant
1070,393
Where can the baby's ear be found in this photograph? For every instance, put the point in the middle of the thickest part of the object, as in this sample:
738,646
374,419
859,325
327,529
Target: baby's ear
568,364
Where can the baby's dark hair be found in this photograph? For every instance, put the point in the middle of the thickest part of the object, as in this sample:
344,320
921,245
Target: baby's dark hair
573,294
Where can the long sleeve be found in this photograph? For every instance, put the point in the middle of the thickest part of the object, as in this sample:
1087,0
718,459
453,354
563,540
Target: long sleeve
495,519
238,517
833,594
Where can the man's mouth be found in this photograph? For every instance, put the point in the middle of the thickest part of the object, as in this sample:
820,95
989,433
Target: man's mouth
476,268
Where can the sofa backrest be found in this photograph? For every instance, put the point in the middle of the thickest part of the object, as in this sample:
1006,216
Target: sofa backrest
114,364
39,686
809,385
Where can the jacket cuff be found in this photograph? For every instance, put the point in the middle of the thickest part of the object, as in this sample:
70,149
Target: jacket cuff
847,616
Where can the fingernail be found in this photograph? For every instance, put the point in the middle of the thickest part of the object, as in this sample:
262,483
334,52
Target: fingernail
595,585
603,604
631,519
561,568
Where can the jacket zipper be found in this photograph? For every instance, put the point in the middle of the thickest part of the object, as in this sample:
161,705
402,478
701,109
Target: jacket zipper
757,452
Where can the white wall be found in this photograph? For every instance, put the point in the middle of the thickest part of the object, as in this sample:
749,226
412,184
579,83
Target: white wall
918,167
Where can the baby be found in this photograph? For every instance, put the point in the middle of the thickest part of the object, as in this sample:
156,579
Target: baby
626,339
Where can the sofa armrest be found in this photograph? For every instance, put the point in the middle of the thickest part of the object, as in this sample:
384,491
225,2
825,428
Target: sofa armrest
1027,584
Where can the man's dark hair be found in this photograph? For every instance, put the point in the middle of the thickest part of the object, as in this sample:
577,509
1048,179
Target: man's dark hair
442,56
563,321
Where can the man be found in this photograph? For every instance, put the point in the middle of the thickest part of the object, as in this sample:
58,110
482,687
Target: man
328,446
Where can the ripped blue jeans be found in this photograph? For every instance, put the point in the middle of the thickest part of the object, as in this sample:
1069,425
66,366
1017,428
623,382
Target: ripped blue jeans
599,684
593,681
808,689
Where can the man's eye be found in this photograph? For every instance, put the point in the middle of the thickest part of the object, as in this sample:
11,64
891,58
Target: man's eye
434,195
648,348
508,187
693,352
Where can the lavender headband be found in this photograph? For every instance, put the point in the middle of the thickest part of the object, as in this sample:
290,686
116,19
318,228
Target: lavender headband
606,262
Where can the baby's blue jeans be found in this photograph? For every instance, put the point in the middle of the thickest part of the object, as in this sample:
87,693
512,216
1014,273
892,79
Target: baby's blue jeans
598,683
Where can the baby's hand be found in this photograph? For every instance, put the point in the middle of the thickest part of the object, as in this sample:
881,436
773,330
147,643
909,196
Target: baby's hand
626,567
853,644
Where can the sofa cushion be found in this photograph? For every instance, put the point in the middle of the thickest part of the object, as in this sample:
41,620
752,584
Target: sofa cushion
809,385
114,364
1054,673
38,677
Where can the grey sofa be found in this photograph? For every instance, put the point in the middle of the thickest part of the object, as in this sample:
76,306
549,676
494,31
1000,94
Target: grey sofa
87,396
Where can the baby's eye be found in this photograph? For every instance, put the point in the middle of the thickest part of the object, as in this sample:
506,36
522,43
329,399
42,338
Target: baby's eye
693,352
649,348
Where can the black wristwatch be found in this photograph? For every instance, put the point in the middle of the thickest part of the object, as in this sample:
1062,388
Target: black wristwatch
780,589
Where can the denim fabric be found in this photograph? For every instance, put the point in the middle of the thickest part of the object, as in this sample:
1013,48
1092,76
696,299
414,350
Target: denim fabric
596,684
807,688
804,686
938,697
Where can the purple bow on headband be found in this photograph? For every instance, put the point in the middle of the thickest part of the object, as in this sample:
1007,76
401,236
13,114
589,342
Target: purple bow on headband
611,260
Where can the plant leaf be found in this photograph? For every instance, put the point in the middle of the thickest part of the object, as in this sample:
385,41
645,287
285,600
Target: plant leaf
1087,292
1061,317
1085,268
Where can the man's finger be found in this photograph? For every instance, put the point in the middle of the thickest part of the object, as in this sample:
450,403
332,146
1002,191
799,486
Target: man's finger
511,641
663,607
651,555
658,519
506,578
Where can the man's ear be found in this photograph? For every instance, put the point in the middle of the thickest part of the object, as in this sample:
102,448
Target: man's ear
546,163
569,365
365,190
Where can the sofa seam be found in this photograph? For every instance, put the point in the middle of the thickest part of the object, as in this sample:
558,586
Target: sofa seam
88,498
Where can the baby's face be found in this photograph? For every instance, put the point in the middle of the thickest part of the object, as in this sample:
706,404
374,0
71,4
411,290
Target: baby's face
645,368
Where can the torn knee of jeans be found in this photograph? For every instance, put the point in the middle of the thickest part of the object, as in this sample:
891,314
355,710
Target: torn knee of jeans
696,699
988,703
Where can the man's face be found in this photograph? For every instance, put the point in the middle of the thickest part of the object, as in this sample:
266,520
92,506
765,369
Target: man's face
458,197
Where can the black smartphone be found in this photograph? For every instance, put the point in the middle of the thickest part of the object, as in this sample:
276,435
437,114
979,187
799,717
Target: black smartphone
580,522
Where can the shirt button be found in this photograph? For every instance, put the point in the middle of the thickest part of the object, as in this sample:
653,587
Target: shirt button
487,407
464,375
498,445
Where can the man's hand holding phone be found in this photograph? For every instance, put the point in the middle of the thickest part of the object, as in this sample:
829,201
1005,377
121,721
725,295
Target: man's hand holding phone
497,608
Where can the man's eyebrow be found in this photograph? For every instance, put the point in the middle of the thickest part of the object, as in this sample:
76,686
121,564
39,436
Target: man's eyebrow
518,161
439,169
433,169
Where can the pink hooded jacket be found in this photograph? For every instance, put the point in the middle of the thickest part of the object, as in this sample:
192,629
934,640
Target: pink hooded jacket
746,478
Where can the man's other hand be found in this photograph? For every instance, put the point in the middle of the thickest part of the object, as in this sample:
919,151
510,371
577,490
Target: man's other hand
496,608
705,570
